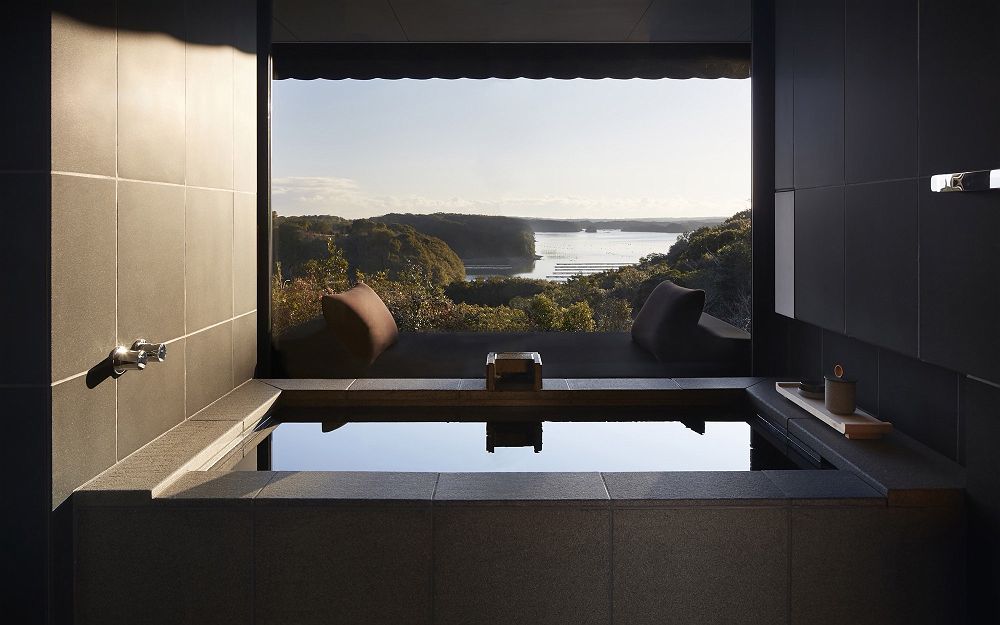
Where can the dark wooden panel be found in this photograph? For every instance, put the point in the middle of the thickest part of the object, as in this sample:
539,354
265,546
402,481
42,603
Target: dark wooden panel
959,284
819,93
881,90
881,260
819,257
959,90
784,73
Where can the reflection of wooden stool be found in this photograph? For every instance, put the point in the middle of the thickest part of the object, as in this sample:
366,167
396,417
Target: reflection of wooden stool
513,371
513,434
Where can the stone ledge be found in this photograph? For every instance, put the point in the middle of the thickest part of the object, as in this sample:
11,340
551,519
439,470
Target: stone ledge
192,444
901,469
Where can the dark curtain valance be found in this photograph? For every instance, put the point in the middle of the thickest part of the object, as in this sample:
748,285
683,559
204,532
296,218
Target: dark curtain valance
338,61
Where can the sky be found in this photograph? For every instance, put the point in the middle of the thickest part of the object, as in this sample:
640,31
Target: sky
552,148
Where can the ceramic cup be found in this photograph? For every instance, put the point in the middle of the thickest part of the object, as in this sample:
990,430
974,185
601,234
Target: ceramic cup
841,395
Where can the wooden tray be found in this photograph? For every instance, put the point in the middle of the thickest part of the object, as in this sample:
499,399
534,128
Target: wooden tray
859,425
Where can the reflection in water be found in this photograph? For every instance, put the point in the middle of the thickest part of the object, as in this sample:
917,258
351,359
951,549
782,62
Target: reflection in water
446,447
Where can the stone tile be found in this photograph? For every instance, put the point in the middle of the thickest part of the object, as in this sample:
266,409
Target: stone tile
534,487
83,434
83,273
474,384
825,487
860,361
908,564
143,474
350,20
151,401
692,487
208,93
244,253
247,403
617,384
805,351
218,487
723,21
167,565
24,244
583,20
208,261
150,262
353,564
27,500
326,487
701,565
27,118
921,400
554,384
245,97
244,347
766,401
151,84
981,431
406,384
717,383
84,90
209,366
895,462
306,384
518,564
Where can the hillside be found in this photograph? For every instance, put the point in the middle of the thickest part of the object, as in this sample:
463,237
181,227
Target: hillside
367,246
474,236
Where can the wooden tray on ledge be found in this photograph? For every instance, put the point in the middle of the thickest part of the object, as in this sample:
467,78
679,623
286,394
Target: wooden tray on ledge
859,425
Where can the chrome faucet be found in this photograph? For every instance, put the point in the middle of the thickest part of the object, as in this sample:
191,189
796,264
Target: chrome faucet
155,352
136,358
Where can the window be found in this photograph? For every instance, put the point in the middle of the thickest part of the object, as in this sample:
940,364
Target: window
510,206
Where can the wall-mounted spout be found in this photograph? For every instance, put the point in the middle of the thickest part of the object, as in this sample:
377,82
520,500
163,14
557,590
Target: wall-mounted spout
124,359
155,352
136,358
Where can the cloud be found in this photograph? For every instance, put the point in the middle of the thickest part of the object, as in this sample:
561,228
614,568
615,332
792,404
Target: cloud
345,197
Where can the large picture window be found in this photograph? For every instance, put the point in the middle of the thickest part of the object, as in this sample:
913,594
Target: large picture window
510,206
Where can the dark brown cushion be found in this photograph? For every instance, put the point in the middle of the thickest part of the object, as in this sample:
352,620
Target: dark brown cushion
667,323
359,318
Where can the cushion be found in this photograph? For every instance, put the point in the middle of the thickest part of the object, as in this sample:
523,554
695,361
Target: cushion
667,323
359,318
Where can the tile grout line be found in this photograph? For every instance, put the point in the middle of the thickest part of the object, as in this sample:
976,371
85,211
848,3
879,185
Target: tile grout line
631,31
117,220
433,585
76,174
788,571
611,552
173,340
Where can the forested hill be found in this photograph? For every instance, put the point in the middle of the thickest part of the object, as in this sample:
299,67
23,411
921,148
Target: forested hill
625,225
474,236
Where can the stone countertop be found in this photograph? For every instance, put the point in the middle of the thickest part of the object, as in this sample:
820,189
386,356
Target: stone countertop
899,467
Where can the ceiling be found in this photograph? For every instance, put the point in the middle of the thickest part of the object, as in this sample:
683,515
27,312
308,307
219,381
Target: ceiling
639,21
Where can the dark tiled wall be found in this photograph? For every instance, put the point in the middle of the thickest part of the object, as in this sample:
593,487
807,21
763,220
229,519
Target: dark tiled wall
153,228
24,255
895,282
